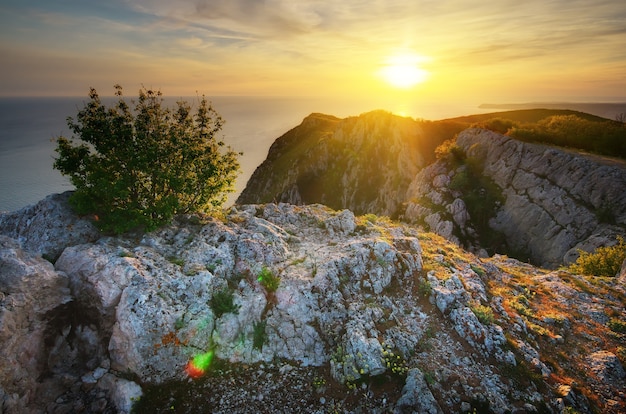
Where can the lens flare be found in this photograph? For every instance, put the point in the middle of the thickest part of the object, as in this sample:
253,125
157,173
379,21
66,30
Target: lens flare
198,366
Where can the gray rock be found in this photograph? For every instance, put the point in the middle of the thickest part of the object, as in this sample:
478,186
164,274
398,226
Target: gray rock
416,396
32,297
48,227
606,366
122,393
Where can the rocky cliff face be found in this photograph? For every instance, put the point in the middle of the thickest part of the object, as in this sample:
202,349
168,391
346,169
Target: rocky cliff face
553,202
549,202
302,309
363,163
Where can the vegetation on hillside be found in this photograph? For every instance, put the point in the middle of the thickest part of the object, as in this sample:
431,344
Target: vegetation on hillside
604,261
577,131
139,167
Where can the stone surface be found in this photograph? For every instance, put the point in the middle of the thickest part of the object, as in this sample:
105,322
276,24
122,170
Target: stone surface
361,301
416,396
553,198
47,227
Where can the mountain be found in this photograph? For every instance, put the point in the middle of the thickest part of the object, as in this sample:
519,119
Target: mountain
363,163
529,200
285,308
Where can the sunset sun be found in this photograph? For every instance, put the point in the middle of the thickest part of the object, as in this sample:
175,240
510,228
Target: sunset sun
403,71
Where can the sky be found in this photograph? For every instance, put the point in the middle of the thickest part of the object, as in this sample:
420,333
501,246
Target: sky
503,51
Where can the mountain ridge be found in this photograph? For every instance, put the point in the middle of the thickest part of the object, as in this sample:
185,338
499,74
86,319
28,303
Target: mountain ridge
369,164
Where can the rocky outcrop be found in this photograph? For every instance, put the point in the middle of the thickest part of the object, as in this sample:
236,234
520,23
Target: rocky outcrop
363,163
352,313
48,227
551,202
555,201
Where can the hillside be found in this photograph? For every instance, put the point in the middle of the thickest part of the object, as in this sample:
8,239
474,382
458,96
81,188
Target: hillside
384,164
282,308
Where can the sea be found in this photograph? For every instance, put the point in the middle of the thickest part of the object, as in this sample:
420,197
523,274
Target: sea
29,126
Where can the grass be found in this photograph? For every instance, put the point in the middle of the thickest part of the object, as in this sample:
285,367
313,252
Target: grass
268,280
259,336
483,313
223,302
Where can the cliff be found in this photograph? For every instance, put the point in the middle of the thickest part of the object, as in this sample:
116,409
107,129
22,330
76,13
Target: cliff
277,307
364,163
551,202
538,202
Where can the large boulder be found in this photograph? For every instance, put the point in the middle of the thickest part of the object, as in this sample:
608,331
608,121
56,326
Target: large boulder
48,227
33,299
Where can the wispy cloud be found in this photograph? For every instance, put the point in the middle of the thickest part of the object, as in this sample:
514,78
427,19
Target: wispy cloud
222,39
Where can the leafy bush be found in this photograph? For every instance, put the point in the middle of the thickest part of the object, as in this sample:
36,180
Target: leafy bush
500,125
604,261
223,302
451,152
139,167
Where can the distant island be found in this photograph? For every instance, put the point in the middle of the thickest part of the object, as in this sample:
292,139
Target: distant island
610,110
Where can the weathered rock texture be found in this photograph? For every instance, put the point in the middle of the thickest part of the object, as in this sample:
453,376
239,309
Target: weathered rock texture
369,316
555,201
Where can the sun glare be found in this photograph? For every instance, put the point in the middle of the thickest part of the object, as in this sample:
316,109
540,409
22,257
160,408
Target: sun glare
403,71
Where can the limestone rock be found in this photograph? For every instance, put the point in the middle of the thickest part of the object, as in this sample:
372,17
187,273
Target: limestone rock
416,396
348,300
48,227
32,298
553,198
606,366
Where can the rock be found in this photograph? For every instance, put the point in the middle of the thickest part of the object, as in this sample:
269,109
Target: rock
123,393
32,297
606,366
348,302
416,396
552,198
48,227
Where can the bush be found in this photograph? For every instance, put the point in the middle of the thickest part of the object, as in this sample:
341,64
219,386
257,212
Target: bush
483,313
140,167
604,261
451,152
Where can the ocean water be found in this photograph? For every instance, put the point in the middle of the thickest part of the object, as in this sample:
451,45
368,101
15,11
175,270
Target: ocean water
28,127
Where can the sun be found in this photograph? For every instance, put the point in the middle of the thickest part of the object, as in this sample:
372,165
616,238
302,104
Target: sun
403,71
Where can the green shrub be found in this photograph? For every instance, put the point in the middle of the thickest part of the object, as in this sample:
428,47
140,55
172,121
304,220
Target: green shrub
424,288
268,280
139,167
451,152
617,325
604,261
483,313
223,302
499,125
603,137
